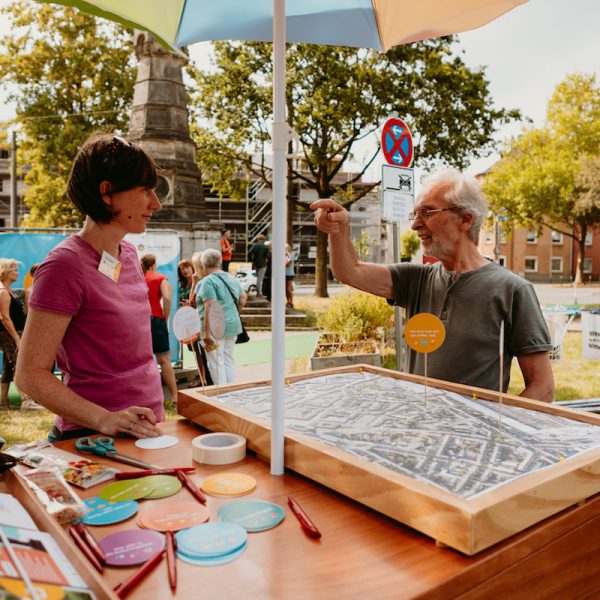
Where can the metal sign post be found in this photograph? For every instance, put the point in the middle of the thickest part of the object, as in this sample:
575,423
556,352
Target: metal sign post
397,198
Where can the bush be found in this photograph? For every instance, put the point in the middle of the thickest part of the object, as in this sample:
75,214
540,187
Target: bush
356,316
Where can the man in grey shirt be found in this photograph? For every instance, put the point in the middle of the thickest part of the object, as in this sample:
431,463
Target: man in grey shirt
471,295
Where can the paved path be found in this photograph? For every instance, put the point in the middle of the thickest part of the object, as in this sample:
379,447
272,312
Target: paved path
548,293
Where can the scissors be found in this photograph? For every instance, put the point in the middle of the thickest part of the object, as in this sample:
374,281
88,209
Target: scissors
105,446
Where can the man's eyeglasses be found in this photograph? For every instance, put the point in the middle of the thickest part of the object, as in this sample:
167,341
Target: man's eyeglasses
425,213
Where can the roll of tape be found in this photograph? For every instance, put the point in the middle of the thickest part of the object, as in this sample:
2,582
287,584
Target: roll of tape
218,448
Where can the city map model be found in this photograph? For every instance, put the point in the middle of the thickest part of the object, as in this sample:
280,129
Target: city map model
452,442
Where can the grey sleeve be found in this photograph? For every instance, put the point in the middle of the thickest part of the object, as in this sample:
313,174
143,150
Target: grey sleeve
405,280
529,332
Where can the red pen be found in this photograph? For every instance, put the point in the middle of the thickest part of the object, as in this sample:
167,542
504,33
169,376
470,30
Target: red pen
193,489
308,526
171,559
124,588
91,542
136,474
84,548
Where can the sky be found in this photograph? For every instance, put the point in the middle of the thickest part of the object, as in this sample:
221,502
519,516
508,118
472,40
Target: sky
526,52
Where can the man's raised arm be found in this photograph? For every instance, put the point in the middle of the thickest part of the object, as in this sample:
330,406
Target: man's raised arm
334,220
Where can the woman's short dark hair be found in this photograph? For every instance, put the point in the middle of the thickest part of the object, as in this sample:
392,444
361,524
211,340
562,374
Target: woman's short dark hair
108,157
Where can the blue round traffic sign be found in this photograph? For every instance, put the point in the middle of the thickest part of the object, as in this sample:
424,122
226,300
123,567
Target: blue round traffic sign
397,143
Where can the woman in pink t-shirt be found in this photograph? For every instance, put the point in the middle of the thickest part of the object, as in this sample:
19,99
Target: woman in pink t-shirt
89,305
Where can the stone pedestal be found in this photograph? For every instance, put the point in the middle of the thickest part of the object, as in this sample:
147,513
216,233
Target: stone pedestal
159,123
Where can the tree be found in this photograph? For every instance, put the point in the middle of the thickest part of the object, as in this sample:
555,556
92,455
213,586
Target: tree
70,74
409,244
548,176
336,97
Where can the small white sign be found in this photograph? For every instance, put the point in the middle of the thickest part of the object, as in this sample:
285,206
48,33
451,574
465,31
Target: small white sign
397,193
398,179
395,206
590,326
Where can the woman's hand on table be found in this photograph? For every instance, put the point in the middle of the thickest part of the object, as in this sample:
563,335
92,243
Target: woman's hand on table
135,421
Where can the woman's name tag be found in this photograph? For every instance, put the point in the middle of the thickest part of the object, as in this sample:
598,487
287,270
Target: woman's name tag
109,266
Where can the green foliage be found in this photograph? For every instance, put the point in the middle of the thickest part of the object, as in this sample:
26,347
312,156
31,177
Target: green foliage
335,97
70,74
363,246
549,176
356,316
409,244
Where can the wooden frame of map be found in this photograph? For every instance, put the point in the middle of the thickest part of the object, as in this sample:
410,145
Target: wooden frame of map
468,524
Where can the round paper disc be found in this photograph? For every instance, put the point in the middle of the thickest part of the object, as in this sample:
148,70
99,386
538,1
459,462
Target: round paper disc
186,324
129,489
252,515
229,484
215,560
103,512
157,443
216,320
211,539
424,333
162,486
173,516
131,547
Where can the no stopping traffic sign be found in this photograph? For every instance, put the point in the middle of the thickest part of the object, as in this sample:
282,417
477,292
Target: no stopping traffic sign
397,143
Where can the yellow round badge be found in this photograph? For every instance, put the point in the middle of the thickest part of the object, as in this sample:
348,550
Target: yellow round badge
424,333
228,484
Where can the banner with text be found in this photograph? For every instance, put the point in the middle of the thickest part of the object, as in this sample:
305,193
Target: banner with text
590,326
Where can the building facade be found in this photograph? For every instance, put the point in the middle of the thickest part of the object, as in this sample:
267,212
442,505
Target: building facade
548,257
5,185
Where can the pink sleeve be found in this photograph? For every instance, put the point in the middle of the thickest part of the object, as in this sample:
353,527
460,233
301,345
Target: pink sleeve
58,284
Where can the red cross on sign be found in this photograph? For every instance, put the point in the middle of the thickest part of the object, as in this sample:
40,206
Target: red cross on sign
397,143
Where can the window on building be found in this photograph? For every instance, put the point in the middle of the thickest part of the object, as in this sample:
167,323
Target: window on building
532,237
488,237
4,154
588,238
502,261
557,237
502,239
1,185
587,265
531,264
557,265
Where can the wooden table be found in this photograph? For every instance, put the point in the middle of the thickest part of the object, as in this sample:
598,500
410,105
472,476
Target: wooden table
363,554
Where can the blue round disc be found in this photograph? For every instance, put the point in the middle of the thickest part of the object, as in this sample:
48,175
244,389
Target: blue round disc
252,515
104,512
209,540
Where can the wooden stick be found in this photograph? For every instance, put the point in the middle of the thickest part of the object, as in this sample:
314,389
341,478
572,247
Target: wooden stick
199,364
501,378
425,382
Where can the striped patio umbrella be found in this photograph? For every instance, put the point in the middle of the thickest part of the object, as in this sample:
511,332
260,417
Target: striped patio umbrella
376,24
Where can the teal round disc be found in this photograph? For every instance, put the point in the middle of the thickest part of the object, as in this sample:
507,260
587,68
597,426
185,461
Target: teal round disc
253,515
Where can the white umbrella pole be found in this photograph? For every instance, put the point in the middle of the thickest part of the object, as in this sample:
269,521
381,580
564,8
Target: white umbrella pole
279,135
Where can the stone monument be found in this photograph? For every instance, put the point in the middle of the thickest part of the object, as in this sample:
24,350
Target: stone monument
159,123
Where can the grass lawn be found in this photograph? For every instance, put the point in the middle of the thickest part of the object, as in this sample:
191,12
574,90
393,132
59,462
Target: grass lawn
574,377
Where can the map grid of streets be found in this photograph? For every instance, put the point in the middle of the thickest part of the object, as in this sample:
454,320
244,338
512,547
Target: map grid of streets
453,444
